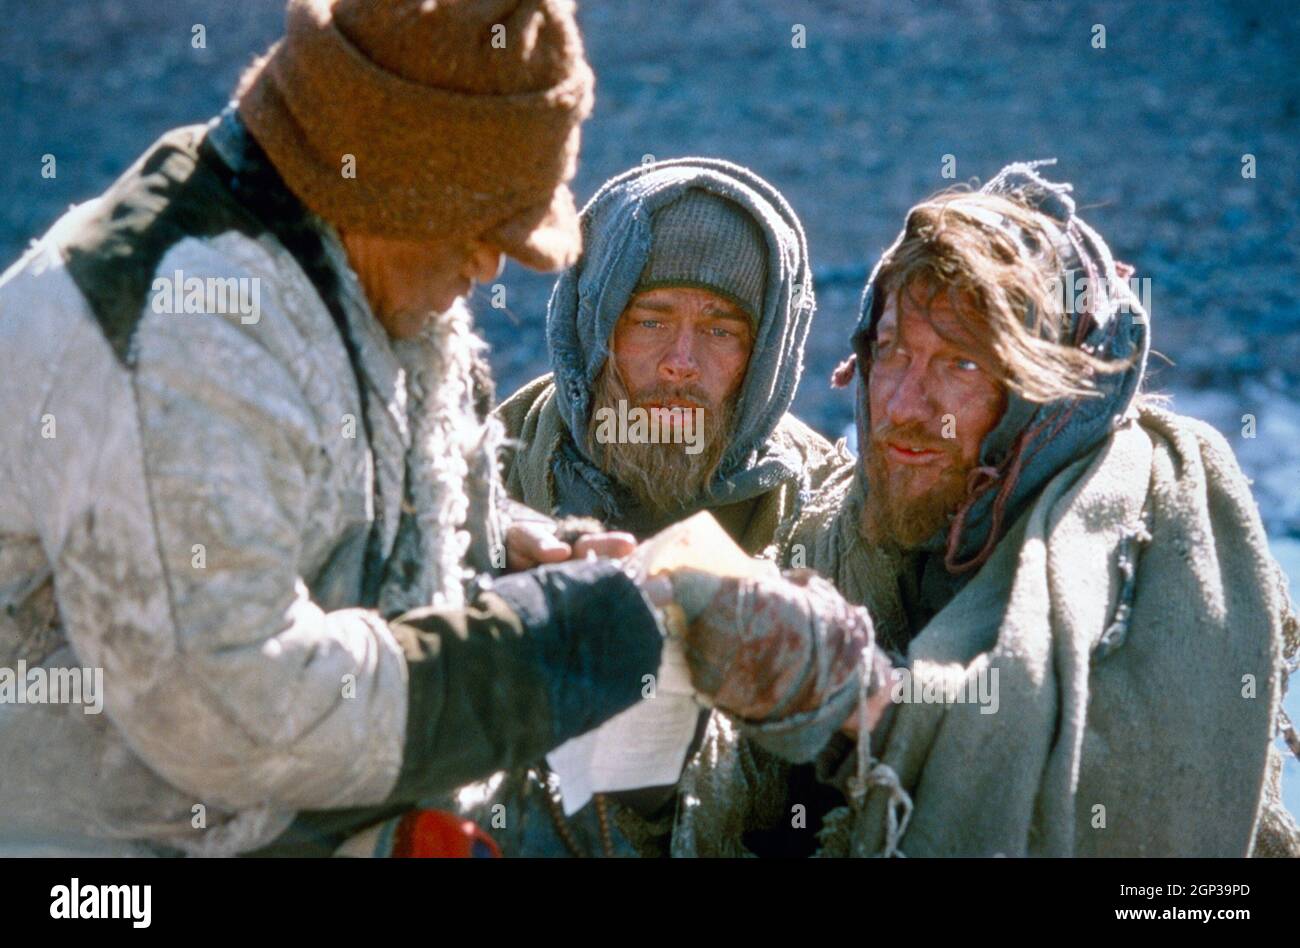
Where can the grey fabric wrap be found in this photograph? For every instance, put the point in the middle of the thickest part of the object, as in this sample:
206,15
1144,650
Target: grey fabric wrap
589,298
800,737
616,236
706,241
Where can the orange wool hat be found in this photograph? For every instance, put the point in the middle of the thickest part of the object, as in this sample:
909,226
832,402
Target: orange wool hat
461,118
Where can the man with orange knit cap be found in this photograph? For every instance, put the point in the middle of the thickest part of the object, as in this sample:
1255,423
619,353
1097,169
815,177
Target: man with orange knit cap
252,433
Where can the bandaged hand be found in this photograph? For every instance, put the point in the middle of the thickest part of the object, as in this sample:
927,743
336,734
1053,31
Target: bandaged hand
767,649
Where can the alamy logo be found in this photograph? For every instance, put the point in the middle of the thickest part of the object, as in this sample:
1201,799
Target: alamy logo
23,685
1072,293
980,688
103,901
675,425
220,296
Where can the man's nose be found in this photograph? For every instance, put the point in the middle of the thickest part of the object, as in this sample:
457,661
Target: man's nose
678,363
484,263
911,401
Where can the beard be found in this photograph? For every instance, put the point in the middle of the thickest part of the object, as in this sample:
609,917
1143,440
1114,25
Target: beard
409,323
897,513
664,477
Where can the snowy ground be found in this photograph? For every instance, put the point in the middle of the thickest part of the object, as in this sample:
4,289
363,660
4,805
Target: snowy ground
853,126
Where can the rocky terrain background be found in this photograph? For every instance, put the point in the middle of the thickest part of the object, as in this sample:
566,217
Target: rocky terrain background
853,125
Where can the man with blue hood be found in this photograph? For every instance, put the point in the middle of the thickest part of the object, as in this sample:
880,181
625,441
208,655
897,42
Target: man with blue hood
690,304
1087,630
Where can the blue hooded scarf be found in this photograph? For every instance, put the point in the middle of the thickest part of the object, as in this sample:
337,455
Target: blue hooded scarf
590,297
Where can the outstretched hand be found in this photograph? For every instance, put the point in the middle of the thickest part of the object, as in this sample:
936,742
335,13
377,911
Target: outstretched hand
530,544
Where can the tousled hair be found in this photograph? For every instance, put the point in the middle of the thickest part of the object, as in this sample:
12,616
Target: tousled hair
998,262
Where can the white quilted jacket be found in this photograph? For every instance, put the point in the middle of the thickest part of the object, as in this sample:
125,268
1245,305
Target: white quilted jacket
167,532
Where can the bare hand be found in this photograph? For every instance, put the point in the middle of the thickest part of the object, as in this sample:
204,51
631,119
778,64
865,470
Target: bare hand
530,544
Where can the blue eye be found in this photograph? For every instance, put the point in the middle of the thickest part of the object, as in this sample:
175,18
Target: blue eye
719,332
650,323
967,365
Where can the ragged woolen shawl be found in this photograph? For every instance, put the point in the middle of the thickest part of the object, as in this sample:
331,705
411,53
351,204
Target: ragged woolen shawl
1135,712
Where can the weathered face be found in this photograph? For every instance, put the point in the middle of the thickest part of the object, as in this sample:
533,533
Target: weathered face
681,347
681,354
408,281
932,401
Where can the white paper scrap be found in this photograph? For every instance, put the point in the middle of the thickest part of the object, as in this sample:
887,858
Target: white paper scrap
644,746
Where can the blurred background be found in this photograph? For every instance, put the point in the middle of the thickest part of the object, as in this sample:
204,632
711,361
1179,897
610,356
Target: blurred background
849,108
